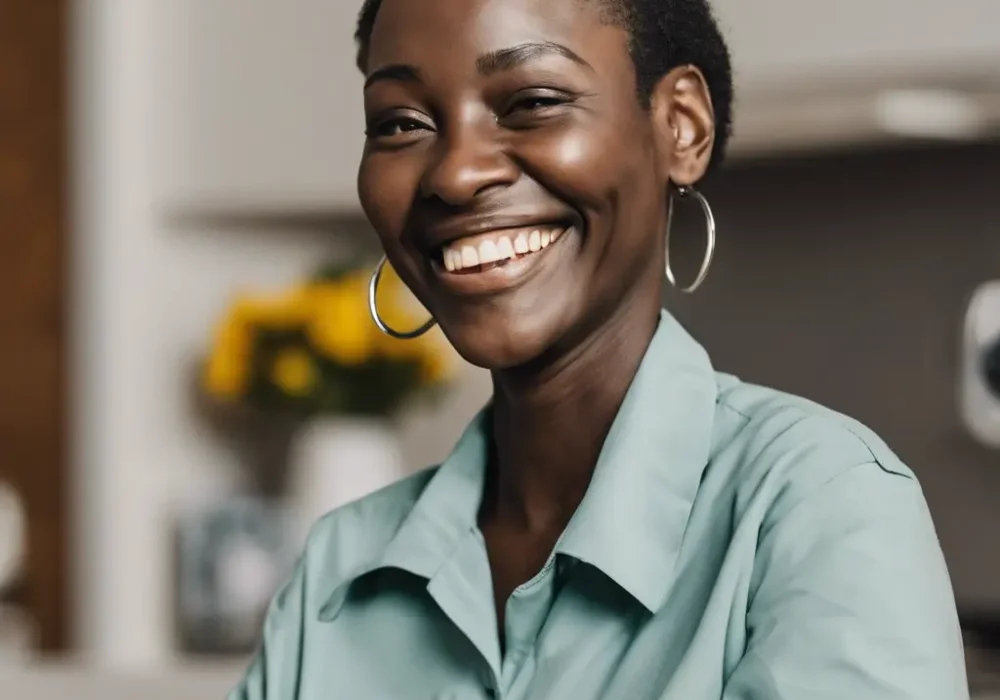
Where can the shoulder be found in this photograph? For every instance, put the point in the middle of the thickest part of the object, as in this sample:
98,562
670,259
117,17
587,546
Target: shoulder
825,497
787,448
843,548
350,538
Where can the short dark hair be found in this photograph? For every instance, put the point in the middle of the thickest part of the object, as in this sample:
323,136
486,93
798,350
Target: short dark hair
663,34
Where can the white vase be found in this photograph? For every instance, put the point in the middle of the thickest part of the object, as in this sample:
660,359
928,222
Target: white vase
336,460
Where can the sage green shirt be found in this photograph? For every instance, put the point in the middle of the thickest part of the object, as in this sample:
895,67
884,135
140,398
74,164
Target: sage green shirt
735,543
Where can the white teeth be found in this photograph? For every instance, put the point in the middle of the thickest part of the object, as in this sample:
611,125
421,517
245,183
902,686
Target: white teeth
459,256
469,256
535,241
505,248
488,252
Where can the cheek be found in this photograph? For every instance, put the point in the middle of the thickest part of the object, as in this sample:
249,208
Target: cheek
598,167
386,190
608,170
387,187
575,152
575,163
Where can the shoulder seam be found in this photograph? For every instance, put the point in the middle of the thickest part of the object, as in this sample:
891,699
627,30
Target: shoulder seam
860,438
838,475
805,415
849,430
725,404
873,456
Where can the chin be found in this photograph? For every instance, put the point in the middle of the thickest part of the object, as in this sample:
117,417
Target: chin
497,340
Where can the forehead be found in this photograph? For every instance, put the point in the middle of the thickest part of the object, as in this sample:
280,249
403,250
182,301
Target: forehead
421,31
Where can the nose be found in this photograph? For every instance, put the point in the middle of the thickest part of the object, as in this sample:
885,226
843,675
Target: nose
468,162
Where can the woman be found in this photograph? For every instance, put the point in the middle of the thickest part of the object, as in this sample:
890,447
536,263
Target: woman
621,521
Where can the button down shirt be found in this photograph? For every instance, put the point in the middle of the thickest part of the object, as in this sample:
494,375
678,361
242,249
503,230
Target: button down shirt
735,543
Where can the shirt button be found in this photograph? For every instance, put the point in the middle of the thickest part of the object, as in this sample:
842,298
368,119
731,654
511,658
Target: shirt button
491,692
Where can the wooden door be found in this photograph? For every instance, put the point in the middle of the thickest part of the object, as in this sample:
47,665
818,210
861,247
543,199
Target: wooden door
33,245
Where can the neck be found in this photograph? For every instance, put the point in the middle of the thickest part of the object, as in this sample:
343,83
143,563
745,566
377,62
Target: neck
549,424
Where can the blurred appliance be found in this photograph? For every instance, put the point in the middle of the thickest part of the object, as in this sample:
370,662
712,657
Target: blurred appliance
979,368
233,556
17,634
12,535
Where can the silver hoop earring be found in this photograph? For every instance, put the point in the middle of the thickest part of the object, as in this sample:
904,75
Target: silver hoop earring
706,262
373,309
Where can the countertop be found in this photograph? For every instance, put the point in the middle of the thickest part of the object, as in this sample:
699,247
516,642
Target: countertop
206,682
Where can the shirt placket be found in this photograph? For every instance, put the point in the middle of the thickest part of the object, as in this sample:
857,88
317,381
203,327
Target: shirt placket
526,611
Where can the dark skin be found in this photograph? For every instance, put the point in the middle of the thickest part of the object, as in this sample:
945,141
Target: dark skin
466,134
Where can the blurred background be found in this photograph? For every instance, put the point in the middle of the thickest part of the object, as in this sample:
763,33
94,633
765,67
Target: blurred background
184,337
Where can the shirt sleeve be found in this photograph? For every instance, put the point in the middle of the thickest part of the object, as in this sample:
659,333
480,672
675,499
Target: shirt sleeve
852,599
274,672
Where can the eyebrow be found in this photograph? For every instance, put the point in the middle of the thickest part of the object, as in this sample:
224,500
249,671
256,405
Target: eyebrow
396,72
506,59
487,64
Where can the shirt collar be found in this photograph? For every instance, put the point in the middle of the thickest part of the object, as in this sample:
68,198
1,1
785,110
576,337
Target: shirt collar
443,515
632,519
633,516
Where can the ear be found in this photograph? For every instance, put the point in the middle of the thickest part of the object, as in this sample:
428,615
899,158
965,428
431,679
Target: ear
684,121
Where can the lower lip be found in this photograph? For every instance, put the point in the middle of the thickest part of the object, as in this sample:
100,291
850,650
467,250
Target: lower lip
500,277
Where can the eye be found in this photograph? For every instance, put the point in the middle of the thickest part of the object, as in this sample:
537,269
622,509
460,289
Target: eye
534,103
528,109
395,128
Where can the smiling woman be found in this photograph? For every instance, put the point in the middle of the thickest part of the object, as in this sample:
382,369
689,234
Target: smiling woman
621,521
530,125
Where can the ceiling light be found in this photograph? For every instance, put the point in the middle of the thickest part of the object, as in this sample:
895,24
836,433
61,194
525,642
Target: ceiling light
934,114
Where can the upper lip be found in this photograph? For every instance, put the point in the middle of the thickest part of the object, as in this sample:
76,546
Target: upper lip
439,234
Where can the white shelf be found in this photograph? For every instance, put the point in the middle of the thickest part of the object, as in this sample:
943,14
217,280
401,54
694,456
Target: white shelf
57,682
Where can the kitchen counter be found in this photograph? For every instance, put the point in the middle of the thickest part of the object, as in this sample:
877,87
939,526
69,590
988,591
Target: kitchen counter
204,682
59,682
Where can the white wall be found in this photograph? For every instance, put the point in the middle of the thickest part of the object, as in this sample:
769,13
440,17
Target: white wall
265,99
799,40
253,104
263,96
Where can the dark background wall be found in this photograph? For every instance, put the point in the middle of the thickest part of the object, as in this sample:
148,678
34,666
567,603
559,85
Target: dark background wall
845,279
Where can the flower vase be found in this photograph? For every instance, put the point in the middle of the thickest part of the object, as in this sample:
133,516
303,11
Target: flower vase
336,460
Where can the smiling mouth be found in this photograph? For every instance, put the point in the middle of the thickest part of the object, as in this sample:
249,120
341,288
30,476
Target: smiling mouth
486,251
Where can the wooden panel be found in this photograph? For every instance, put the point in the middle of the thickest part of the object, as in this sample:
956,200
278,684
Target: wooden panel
32,260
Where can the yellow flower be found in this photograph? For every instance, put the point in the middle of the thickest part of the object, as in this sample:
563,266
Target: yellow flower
286,310
228,369
333,315
340,327
294,372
